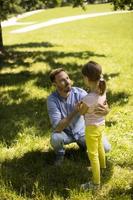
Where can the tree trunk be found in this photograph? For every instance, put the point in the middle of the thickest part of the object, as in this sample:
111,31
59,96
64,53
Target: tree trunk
1,40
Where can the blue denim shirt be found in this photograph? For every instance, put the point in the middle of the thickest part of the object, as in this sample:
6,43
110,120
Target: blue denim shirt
59,108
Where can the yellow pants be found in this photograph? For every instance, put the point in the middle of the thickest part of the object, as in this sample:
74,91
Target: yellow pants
95,149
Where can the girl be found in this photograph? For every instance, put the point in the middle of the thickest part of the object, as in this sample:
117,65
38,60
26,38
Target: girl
92,74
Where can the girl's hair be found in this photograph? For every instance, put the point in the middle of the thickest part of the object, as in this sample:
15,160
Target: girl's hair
93,71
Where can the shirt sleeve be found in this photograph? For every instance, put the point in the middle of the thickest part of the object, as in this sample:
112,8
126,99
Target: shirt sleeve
53,111
83,93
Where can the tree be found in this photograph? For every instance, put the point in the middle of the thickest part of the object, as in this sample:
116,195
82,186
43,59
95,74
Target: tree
118,4
29,5
7,7
123,4
78,3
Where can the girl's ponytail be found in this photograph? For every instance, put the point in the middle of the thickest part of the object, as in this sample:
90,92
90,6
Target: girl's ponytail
102,85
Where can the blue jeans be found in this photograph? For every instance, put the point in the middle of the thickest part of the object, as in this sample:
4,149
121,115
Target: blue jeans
58,140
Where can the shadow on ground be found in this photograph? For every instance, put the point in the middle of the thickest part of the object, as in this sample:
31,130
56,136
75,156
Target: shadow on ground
118,98
16,117
16,110
26,58
35,171
127,193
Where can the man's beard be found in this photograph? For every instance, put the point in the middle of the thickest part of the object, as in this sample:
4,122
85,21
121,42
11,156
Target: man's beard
67,88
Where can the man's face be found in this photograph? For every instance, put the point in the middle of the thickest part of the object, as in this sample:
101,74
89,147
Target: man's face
63,82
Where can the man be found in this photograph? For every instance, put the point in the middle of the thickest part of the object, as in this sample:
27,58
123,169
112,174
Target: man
63,109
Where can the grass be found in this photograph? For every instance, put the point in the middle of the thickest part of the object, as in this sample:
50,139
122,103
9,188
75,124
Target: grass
66,11
26,158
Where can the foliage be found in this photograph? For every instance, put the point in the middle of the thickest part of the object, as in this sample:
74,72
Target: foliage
8,7
52,3
29,5
123,4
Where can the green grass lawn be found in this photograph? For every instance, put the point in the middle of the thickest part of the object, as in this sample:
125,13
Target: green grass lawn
26,157
66,11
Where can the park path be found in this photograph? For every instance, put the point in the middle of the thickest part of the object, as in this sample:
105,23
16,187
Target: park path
61,20
13,21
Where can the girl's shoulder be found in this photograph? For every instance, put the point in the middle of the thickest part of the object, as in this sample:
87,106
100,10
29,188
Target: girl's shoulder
91,95
90,98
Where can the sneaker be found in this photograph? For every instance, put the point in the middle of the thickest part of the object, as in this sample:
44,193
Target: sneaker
89,186
59,160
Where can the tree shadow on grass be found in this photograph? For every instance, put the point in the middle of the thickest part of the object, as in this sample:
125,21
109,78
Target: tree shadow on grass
110,123
33,111
110,76
35,172
20,57
128,164
25,59
14,58
30,45
14,79
126,193
108,172
118,98
18,110
17,116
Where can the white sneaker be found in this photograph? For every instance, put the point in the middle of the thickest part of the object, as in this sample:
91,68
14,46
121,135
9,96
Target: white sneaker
90,186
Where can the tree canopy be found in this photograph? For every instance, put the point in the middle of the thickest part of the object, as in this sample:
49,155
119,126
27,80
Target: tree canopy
8,7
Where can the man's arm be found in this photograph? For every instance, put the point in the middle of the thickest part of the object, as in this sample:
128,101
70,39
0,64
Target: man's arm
55,115
66,121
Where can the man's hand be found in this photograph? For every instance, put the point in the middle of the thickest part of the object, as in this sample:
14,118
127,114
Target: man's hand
77,106
102,109
67,120
82,108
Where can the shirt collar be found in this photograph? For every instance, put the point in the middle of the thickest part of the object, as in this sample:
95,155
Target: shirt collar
62,98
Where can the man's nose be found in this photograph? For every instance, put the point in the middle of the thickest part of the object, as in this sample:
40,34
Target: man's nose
67,82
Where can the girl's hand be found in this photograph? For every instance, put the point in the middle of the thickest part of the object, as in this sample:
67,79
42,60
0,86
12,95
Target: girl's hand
102,109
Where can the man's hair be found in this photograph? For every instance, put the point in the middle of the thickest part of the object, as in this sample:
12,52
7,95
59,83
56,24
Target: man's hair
54,72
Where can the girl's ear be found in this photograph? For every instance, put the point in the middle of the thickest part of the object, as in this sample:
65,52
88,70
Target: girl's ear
86,80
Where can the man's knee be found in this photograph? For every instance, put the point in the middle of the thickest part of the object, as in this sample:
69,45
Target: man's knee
56,139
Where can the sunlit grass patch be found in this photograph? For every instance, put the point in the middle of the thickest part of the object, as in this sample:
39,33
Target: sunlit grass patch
27,170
